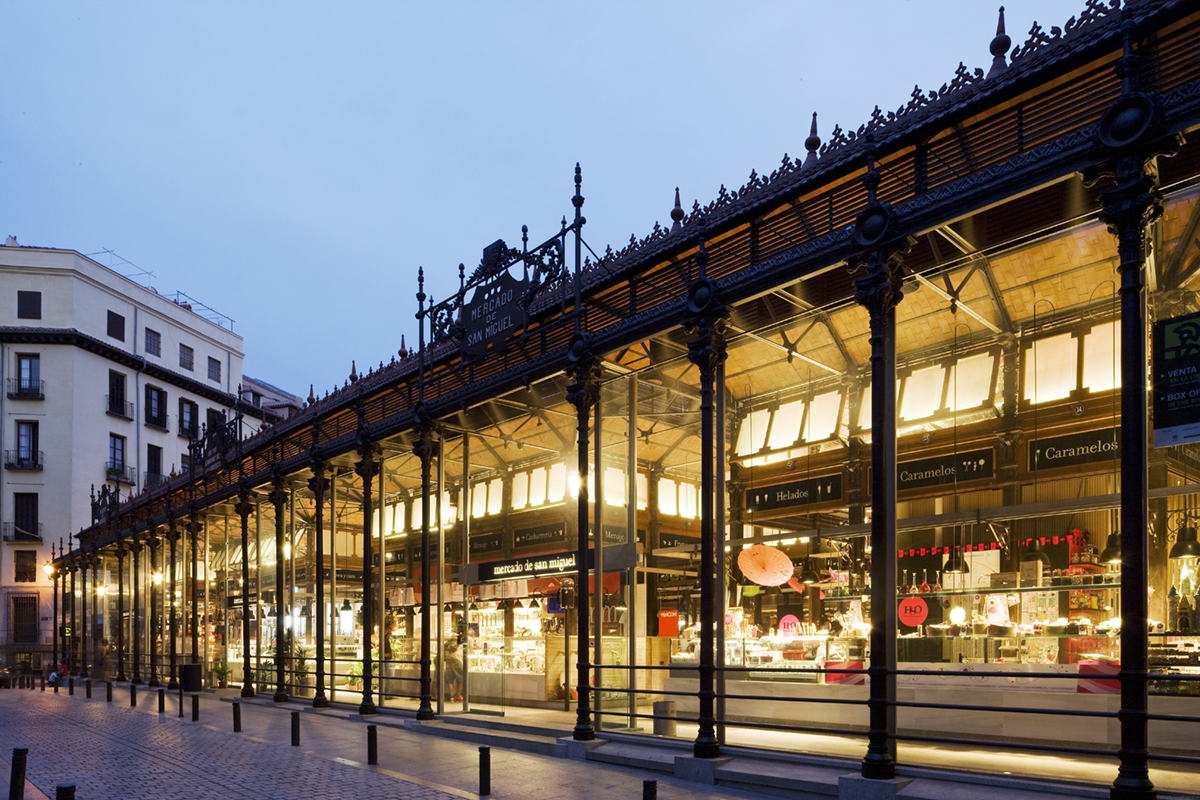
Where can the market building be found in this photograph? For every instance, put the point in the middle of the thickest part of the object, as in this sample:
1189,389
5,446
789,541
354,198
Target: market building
895,444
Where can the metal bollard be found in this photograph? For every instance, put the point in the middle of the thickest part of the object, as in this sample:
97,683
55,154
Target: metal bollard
16,781
485,770
132,696
56,683
64,791
43,683
195,708
295,729
649,790
181,702
372,745
162,701
108,692
89,688
237,717
71,686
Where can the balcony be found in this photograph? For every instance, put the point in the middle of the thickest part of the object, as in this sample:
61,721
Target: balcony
25,389
188,431
119,472
23,460
152,479
21,536
118,407
161,422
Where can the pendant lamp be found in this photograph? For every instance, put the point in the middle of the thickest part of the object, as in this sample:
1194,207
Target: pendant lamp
956,564
808,575
1186,544
1112,550
1035,553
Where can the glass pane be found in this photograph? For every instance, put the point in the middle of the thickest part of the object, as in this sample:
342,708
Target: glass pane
557,485
823,416
537,487
1101,358
687,500
495,496
614,486
1050,368
643,491
520,490
418,511
449,511
753,432
923,393
479,503
974,382
786,426
667,503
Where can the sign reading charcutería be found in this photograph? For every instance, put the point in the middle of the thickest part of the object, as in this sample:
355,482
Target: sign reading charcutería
796,493
1075,449
1177,380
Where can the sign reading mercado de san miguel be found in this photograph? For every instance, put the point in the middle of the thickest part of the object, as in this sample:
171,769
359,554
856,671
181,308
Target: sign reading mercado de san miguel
1177,380
494,310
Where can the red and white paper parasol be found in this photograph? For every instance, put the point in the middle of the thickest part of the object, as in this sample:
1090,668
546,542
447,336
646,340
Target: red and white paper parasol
766,566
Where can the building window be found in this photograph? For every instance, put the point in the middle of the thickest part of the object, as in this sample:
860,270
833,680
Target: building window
116,326
154,457
186,357
153,343
25,566
156,407
25,517
25,616
116,452
215,421
185,463
29,305
214,370
26,456
189,414
29,375
116,396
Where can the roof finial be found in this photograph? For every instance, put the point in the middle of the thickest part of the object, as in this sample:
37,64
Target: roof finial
403,349
811,144
353,371
676,213
311,399
998,48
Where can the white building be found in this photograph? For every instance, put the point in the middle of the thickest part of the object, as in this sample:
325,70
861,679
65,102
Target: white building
105,381
276,404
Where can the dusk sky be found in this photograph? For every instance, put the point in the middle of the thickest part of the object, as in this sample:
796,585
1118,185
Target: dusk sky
292,164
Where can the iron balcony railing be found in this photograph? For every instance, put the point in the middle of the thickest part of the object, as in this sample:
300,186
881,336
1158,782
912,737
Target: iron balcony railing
25,389
15,533
119,472
118,406
187,430
152,479
23,459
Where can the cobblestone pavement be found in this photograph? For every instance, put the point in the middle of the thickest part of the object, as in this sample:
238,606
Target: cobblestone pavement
112,751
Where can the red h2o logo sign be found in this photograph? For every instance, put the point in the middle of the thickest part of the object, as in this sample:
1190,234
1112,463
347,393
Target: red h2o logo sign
913,611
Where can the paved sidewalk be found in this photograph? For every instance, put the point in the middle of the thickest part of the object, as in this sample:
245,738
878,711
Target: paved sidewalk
109,750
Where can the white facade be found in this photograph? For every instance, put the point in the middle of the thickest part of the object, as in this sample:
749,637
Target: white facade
90,399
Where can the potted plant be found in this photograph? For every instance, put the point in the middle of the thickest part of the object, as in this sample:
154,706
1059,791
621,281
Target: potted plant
220,674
